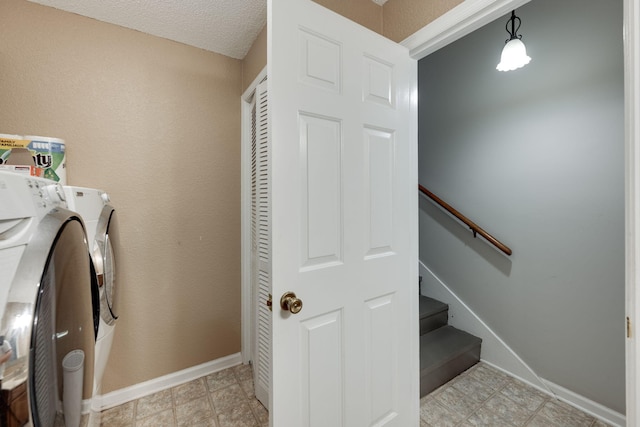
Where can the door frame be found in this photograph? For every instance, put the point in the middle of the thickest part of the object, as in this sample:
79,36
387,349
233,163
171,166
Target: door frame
456,23
473,14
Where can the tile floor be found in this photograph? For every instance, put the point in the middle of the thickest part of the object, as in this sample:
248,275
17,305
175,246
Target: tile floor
222,399
484,396
481,396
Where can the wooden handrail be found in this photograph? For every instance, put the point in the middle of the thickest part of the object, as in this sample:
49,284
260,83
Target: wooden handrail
472,225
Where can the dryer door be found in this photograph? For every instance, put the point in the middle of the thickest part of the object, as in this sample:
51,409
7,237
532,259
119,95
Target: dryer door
106,256
48,317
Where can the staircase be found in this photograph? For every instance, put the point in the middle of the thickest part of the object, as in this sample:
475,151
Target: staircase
445,351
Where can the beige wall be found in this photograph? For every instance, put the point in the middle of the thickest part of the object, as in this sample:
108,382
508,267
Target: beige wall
364,12
402,18
397,19
255,60
157,125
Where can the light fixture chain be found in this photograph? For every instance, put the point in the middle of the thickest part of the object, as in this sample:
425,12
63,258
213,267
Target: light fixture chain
513,34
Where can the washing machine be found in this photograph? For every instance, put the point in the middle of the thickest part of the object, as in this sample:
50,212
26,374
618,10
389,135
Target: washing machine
101,222
47,306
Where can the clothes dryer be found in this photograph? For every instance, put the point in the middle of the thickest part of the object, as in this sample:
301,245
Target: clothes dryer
101,221
46,306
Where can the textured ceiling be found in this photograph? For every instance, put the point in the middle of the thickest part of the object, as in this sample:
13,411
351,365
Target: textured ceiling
228,27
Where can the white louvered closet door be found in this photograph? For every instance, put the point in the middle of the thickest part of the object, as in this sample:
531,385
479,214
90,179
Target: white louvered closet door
261,243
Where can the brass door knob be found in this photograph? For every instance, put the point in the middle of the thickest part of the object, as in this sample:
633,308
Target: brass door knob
289,302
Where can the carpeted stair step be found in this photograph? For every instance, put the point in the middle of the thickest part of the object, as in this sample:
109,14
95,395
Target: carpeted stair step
433,314
445,353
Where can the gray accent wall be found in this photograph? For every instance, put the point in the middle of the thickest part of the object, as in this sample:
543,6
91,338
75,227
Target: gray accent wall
536,157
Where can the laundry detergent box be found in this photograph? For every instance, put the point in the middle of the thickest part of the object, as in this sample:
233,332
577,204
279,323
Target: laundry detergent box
48,154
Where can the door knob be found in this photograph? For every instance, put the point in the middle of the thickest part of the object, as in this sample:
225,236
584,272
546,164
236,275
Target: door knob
289,302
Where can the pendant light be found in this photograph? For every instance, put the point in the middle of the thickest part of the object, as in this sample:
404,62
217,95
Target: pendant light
514,53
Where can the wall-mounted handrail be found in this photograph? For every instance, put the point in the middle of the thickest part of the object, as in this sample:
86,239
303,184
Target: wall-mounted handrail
472,225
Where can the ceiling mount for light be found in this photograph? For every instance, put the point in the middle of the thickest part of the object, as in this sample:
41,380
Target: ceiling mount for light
514,53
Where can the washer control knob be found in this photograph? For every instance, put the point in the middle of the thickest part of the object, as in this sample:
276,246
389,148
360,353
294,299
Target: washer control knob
55,193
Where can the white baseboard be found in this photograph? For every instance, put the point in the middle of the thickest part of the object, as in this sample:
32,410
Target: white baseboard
586,405
590,407
136,391
498,354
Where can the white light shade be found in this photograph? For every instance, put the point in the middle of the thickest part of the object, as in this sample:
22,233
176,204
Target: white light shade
514,56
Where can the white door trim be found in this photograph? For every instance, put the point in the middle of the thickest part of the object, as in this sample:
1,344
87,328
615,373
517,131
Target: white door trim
245,224
463,19
632,198
471,15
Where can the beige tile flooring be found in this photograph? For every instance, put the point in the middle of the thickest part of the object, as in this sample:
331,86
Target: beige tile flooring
484,396
222,399
481,396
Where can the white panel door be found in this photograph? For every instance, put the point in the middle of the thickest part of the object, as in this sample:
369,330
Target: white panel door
344,222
